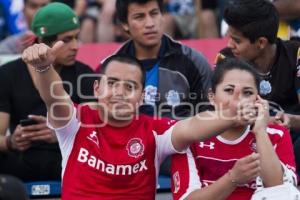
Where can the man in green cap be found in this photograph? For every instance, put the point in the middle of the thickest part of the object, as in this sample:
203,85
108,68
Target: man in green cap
31,151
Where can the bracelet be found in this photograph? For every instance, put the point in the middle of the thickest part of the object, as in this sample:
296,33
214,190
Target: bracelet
43,70
9,143
233,181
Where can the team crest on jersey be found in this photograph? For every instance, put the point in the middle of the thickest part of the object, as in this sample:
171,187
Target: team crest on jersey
135,147
253,145
176,181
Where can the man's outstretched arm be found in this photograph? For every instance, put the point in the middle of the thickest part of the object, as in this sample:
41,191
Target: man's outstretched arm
211,123
40,58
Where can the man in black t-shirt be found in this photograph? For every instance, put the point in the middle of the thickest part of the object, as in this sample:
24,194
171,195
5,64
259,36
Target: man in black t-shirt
31,152
253,26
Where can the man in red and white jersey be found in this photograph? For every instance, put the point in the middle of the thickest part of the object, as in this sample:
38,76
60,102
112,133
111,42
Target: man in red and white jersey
109,151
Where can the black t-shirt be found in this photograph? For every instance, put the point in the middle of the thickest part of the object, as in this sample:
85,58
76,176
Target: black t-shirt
284,76
19,97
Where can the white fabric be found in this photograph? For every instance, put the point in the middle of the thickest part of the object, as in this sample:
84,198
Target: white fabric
286,191
194,181
66,137
164,147
280,192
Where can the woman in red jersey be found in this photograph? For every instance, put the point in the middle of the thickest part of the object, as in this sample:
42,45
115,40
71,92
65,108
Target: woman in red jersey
223,167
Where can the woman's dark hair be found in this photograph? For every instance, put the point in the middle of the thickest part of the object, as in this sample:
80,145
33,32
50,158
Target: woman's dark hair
123,58
122,7
254,18
229,64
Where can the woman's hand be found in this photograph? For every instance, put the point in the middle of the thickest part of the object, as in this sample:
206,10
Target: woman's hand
263,116
245,169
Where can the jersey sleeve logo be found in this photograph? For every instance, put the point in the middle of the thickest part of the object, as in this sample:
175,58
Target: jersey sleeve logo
135,147
94,138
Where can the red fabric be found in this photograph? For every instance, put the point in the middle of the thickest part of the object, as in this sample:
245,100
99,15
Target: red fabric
110,163
214,158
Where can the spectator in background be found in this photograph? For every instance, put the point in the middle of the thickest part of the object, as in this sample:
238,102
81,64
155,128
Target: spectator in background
181,19
253,26
15,44
289,13
175,74
289,24
14,19
208,27
191,18
177,77
98,21
226,166
107,28
31,153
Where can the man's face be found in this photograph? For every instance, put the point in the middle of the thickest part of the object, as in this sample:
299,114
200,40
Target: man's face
31,7
145,23
241,46
67,54
119,91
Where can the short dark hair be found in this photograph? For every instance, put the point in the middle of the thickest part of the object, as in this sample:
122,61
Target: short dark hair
122,7
254,18
229,64
124,59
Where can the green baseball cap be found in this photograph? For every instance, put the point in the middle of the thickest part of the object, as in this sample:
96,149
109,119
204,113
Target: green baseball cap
53,19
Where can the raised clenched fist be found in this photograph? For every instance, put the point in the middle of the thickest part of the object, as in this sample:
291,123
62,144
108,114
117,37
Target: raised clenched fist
41,56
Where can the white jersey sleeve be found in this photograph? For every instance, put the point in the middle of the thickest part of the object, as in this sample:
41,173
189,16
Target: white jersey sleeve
164,145
66,136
